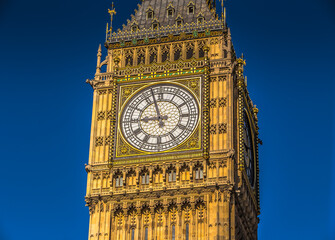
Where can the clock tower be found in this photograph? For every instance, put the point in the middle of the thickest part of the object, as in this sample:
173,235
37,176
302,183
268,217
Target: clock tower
174,137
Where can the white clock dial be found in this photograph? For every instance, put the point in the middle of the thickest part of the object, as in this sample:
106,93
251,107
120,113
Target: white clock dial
159,117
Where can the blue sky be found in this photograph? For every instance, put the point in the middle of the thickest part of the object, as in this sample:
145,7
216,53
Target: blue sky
48,50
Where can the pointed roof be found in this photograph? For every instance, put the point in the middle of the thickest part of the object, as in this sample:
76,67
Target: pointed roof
153,19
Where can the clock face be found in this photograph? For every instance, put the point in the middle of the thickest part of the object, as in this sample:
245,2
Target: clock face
159,117
248,150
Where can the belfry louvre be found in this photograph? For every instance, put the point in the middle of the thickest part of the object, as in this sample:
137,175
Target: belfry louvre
174,136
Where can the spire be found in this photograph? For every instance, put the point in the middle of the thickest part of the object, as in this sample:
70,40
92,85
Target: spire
99,60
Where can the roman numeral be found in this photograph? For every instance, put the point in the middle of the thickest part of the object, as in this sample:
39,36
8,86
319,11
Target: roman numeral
137,131
181,104
182,127
146,138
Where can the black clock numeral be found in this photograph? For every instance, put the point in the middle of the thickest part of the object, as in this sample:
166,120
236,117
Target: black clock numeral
146,138
182,127
137,131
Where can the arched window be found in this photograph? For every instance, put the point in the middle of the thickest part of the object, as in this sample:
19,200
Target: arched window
179,21
141,57
191,9
119,181
146,234
170,12
129,58
201,49
165,54
199,174
200,20
189,51
187,232
155,25
177,53
173,232
133,234
134,28
153,55
172,175
150,14
145,178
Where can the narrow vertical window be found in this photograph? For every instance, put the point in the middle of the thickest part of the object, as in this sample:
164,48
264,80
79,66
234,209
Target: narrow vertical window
187,231
133,234
177,54
170,176
173,234
146,234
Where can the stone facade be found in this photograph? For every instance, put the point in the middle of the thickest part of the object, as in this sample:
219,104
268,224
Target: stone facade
189,194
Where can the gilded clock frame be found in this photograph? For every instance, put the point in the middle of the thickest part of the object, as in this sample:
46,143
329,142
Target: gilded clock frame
191,147
254,145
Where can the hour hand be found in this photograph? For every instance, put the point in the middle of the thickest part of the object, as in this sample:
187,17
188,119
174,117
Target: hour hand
147,119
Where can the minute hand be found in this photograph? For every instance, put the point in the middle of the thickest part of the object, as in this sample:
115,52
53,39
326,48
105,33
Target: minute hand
161,124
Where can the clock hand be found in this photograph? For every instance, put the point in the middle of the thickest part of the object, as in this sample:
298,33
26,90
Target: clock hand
147,119
161,124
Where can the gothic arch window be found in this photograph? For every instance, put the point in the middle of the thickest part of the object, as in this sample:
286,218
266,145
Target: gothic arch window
173,232
201,46
134,28
129,58
199,173
200,20
150,13
153,55
187,232
146,234
141,57
145,177
177,52
118,180
155,25
165,53
179,21
191,8
133,234
171,174
189,50
170,11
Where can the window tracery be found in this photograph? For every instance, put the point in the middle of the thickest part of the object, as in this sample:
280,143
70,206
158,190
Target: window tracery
177,52
153,55
129,57
165,53
189,50
141,57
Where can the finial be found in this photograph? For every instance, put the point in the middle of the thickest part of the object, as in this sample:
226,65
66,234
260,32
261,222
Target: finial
223,13
112,12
